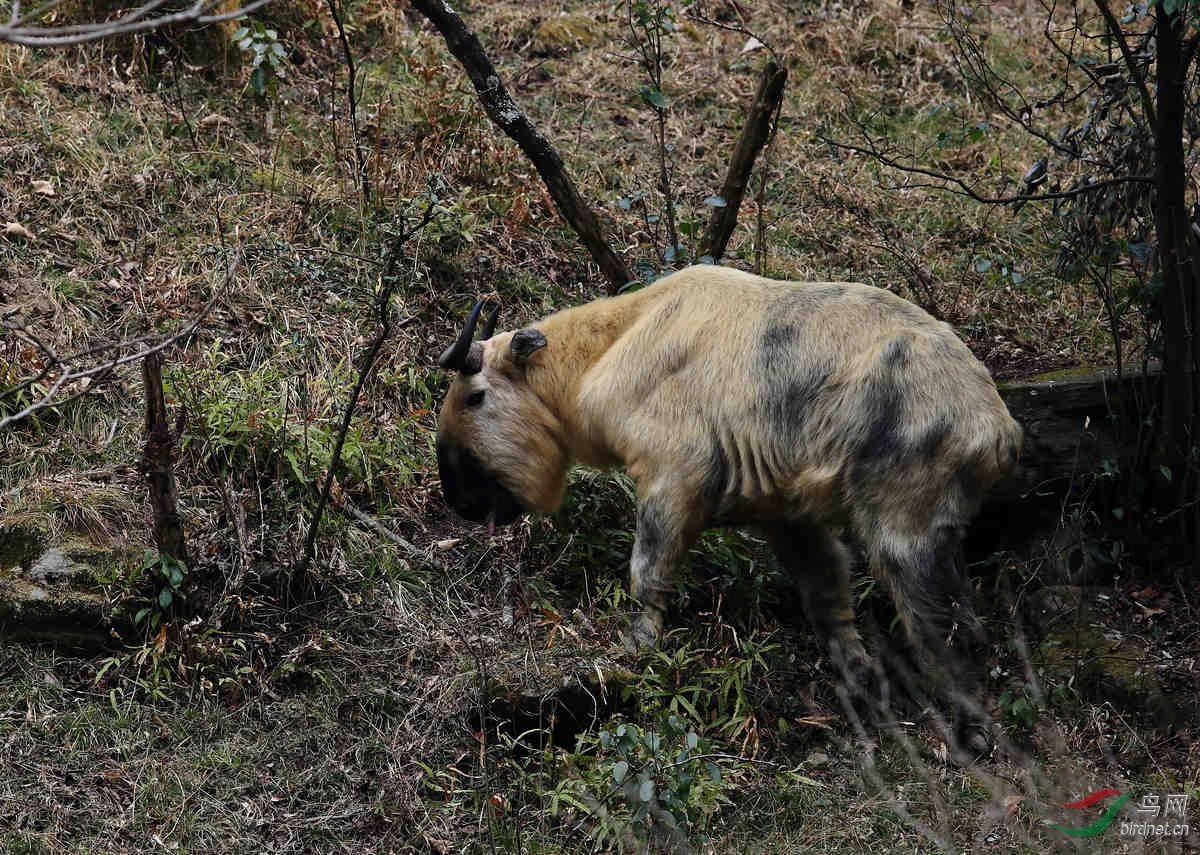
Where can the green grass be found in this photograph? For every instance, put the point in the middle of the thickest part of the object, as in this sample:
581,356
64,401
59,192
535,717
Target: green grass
380,716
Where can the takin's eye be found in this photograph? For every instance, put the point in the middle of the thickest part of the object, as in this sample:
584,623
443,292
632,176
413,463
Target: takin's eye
475,398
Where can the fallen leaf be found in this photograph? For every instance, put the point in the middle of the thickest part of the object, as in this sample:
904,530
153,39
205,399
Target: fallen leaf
42,188
449,543
17,230
1011,803
752,44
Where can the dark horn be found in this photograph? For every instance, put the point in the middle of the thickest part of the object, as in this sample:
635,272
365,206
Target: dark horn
489,326
455,356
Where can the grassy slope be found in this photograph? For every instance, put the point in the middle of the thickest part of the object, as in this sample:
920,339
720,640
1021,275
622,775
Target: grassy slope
357,724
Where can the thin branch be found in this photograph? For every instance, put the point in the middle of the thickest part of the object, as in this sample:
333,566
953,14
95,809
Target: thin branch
352,101
70,376
383,320
965,189
1138,77
410,549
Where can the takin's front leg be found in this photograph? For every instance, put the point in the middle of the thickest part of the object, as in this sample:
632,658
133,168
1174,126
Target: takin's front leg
666,529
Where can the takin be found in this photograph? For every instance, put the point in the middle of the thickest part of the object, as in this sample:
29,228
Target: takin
808,411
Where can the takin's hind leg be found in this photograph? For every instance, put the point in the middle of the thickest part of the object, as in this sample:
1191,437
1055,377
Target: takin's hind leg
818,564
927,577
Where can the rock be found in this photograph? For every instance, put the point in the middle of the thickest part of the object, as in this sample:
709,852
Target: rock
50,594
53,568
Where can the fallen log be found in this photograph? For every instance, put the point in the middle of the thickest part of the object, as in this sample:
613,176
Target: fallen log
1074,421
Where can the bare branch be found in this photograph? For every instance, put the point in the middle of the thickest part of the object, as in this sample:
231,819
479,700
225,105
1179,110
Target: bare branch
140,20
1137,75
954,184
755,133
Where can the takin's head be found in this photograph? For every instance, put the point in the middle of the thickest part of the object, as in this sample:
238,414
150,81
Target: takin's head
499,447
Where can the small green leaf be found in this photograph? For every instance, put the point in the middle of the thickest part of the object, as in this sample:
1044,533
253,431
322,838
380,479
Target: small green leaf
982,265
1166,472
620,769
714,772
141,615
646,791
654,98
715,201
1119,513
692,739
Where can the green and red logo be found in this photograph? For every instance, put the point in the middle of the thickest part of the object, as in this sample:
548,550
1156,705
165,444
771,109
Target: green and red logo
1101,825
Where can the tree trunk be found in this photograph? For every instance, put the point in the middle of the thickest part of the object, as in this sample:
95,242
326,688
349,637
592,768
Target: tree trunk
1178,268
158,460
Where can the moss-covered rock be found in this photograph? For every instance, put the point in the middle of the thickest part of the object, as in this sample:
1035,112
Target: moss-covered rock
50,593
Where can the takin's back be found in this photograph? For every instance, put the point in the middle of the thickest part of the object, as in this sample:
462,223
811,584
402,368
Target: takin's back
798,399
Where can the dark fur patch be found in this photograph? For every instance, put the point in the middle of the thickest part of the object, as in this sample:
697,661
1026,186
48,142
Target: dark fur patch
883,407
789,386
895,354
716,473
650,532
931,440
674,358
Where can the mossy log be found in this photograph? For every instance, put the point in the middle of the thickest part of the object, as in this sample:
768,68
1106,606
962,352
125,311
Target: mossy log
1074,421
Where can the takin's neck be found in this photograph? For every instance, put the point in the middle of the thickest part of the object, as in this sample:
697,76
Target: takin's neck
576,339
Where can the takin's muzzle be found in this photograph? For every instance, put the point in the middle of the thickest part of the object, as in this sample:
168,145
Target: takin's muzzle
473,492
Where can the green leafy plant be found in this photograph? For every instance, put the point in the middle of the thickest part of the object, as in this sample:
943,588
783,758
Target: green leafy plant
644,787
167,576
267,55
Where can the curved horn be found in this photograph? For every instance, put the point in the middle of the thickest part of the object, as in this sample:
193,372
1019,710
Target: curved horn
489,325
455,356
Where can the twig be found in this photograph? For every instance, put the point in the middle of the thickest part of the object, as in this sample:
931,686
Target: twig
504,112
961,188
754,135
70,375
411,550
383,306
1138,75
352,102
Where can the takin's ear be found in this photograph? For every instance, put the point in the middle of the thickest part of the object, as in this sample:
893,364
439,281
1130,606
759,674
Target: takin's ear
524,344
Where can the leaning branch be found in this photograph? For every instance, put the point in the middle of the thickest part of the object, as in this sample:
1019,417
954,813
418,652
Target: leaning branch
754,136
504,112
383,307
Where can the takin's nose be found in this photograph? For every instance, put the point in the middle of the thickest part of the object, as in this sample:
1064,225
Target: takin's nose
473,492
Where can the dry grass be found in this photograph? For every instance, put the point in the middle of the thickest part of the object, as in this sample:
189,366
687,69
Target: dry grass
382,717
